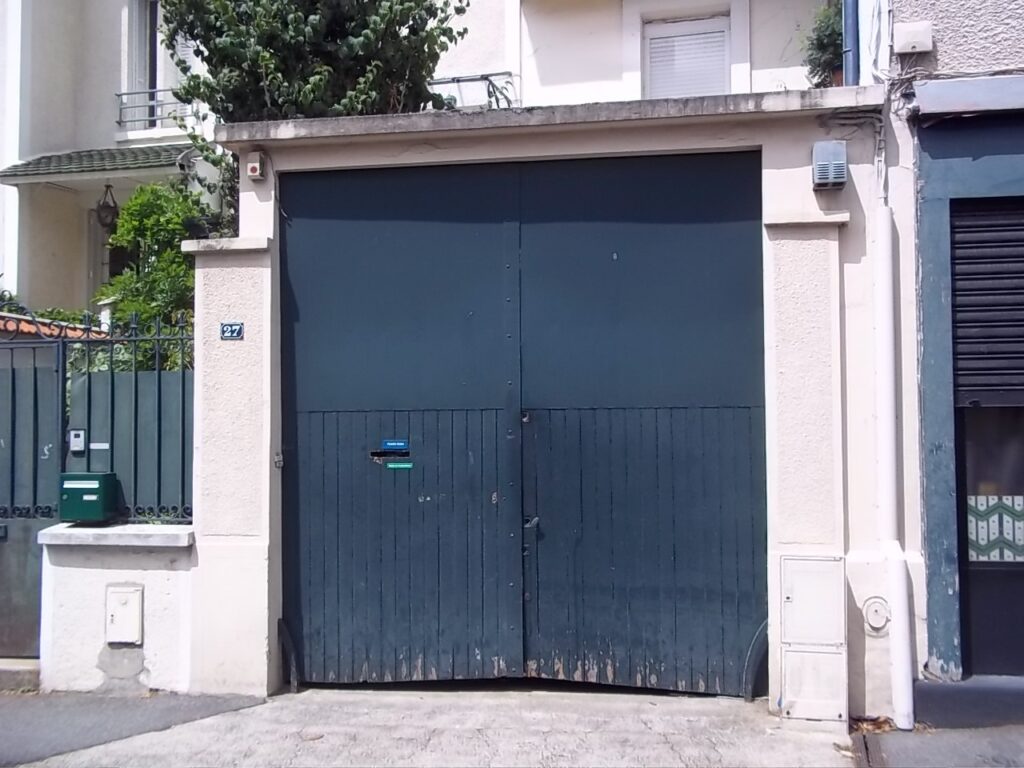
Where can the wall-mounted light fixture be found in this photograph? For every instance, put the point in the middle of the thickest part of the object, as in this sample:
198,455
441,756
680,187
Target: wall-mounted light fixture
107,208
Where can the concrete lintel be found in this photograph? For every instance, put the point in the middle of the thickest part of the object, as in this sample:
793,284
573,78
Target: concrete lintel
149,536
806,218
728,107
969,94
226,245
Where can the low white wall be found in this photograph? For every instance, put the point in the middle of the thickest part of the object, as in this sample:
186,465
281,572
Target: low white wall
77,572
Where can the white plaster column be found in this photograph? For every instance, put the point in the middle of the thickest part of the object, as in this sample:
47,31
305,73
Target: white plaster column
10,147
804,433
236,486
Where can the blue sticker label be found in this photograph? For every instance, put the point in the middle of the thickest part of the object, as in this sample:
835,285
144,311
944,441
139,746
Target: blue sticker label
395,445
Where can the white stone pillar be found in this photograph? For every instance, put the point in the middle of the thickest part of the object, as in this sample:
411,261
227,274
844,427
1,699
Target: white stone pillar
808,675
236,483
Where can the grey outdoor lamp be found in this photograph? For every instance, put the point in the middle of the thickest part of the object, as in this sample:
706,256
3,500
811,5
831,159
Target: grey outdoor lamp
107,208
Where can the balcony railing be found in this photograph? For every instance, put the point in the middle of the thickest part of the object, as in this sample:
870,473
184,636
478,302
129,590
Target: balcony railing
497,89
157,107
152,108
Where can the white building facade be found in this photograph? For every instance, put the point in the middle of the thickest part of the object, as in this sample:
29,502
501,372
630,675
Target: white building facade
86,104
847,628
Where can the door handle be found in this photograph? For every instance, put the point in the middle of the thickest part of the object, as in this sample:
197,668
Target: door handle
533,522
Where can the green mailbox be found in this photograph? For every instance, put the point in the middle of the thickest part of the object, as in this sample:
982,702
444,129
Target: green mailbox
88,497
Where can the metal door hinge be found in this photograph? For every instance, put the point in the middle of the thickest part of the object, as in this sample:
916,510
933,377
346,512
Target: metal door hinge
278,460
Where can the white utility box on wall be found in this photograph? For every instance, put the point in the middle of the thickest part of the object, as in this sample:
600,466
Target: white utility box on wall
912,37
814,656
124,614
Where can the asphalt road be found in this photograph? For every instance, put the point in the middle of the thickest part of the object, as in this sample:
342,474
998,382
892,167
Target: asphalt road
1002,746
37,726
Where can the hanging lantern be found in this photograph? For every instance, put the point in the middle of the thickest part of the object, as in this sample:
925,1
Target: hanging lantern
107,208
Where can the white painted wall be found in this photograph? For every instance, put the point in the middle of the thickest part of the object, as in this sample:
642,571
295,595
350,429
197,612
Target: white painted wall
50,55
778,30
74,653
580,51
572,51
63,61
484,48
101,64
77,58
53,270
10,135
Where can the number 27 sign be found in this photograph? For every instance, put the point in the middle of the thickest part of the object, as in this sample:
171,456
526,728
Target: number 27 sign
232,331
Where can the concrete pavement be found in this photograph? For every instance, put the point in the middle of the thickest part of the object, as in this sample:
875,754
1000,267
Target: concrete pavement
424,727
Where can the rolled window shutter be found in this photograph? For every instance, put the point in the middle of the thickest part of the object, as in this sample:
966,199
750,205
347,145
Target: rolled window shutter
988,301
687,65
185,50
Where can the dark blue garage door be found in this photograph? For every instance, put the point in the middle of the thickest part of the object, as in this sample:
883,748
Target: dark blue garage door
524,421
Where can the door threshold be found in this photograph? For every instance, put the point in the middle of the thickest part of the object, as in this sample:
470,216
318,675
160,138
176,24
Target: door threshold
980,701
19,674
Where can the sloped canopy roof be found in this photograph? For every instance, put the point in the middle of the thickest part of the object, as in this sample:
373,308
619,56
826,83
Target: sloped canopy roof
112,159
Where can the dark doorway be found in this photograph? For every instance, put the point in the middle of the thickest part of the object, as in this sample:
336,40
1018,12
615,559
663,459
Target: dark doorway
988,293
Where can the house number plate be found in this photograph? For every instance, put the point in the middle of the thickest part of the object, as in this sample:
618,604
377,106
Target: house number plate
232,331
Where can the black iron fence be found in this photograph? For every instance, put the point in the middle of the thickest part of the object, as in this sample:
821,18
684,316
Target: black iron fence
93,397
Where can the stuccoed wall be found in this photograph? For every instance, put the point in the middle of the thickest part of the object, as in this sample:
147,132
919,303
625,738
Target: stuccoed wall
74,653
975,36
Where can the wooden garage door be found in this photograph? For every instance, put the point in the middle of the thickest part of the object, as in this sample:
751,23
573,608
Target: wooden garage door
524,421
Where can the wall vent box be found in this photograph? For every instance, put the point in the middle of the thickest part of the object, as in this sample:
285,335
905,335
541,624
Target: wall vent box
912,37
88,497
828,164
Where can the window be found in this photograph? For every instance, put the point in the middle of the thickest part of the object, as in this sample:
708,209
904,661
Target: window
686,58
145,45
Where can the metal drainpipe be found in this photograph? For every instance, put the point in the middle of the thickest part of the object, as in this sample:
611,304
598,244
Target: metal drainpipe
851,43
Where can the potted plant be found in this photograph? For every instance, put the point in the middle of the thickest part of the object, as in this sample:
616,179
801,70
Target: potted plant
824,47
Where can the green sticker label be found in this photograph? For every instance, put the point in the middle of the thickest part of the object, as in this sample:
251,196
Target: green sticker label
399,465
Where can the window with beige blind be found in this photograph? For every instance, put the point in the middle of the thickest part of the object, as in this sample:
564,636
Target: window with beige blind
686,58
